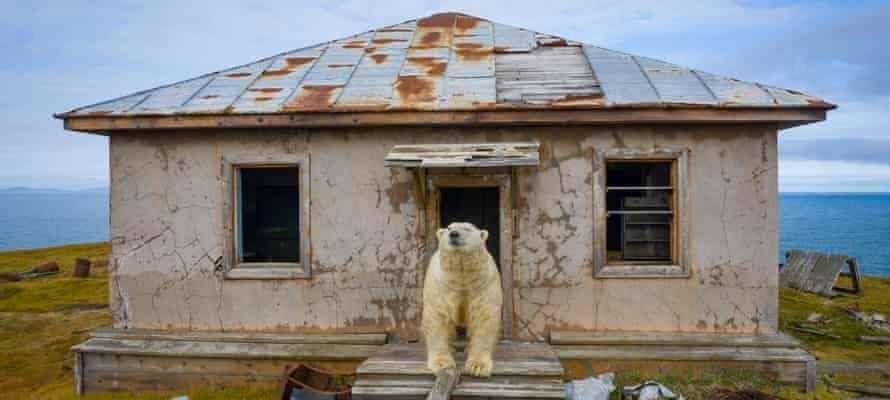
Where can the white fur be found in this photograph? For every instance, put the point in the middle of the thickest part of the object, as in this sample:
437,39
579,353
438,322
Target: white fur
462,288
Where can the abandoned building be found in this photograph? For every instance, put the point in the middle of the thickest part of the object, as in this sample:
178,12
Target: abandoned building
283,210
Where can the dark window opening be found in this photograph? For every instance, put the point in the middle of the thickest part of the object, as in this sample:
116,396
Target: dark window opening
479,206
639,211
269,214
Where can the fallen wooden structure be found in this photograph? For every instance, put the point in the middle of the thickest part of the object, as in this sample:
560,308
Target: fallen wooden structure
815,272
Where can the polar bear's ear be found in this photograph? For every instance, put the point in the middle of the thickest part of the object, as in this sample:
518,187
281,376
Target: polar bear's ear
484,234
441,232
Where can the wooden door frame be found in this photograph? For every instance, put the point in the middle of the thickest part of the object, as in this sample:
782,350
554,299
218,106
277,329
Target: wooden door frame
505,205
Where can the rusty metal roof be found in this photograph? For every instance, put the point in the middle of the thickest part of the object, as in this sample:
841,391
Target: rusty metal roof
447,62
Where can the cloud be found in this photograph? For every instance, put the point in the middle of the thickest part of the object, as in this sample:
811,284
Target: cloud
832,176
862,151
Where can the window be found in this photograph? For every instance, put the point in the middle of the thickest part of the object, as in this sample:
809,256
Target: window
269,215
640,214
639,211
269,219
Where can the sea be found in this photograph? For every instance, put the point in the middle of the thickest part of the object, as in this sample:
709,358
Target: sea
856,224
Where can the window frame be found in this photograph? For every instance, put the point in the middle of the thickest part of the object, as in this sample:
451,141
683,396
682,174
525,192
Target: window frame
234,267
679,265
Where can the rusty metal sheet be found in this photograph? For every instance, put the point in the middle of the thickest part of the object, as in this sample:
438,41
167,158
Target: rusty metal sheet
115,106
464,155
546,76
675,84
421,80
331,72
278,81
470,72
371,85
169,99
224,89
733,92
620,77
508,39
785,97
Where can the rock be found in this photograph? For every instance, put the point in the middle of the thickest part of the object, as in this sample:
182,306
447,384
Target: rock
8,277
81,268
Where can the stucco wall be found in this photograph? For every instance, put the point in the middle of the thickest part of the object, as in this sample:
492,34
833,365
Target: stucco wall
168,224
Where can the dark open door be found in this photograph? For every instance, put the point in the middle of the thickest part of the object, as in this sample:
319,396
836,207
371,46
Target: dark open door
476,205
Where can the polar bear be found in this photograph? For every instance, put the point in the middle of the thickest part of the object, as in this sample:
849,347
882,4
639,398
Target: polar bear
462,288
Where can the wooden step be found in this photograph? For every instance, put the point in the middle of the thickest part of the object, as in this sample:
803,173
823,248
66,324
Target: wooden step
521,370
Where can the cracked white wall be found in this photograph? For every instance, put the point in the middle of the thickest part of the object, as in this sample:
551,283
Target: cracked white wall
168,226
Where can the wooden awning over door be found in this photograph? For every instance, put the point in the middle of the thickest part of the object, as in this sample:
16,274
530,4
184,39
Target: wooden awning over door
464,155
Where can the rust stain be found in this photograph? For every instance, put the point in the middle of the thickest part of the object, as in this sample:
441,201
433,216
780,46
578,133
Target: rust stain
238,75
434,66
472,51
340,65
209,97
465,22
264,98
379,58
313,97
265,90
442,20
354,44
431,38
415,89
580,99
101,112
294,62
387,41
276,72
553,42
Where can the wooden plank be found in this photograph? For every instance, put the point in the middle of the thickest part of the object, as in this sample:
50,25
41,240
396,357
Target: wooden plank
225,337
824,274
785,117
233,350
446,379
670,339
682,353
521,359
464,155
788,372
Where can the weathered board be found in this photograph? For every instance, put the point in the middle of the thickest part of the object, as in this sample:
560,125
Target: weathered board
147,360
464,155
815,272
521,370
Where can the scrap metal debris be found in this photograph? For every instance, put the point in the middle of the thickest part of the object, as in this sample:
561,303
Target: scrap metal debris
874,320
303,382
649,390
593,388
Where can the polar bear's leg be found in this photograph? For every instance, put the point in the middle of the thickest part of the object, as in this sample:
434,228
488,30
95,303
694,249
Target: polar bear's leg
483,325
439,335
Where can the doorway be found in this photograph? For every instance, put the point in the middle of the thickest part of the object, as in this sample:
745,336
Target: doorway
478,206
485,200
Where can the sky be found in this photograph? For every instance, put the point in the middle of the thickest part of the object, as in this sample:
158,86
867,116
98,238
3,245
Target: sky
58,55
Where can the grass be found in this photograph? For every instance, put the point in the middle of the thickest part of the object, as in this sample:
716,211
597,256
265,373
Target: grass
40,319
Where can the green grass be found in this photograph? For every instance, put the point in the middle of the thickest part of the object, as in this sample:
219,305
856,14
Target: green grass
40,319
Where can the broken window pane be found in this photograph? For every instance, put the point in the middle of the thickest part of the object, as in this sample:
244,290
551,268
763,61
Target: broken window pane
269,214
639,210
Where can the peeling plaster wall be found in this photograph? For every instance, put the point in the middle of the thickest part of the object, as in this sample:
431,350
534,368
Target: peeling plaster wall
168,224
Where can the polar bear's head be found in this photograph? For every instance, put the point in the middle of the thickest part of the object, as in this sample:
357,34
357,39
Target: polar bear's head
462,236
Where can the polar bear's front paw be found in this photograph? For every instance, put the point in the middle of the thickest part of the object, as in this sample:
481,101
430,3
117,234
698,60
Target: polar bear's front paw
439,362
479,366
